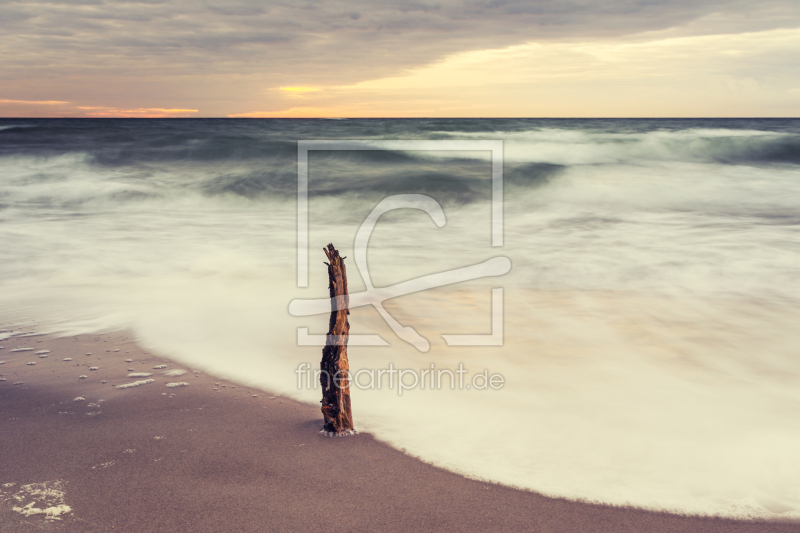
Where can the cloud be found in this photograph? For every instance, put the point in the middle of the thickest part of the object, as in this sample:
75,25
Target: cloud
21,108
32,102
148,112
749,74
224,57
299,89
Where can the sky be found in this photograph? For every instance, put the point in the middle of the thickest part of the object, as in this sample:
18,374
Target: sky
356,58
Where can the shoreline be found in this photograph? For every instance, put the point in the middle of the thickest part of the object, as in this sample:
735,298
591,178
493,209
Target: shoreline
220,456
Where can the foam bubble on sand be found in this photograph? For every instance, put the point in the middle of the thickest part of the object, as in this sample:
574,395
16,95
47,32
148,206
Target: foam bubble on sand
92,405
22,350
347,433
129,450
46,498
79,399
30,363
67,359
88,353
2,379
93,413
40,352
159,367
178,384
2,362
104,465
94,368
159,437
135,383
140,374
129,360
83,376
174,373
19,383
116,350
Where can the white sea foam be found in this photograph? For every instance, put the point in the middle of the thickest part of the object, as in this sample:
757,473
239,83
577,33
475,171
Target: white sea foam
79,399
67,359
136,383
348,433
46,498
139,374
40,352
178,384
30,363
22,350
174,373
159,367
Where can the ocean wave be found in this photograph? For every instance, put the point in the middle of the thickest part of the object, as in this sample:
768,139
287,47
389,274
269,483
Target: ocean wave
577,147
14,126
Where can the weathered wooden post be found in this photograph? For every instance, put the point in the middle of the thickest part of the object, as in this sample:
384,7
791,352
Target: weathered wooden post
334,377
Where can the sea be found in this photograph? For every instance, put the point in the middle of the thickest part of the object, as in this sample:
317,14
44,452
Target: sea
646,336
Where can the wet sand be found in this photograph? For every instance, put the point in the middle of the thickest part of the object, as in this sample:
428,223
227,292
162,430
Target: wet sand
153,458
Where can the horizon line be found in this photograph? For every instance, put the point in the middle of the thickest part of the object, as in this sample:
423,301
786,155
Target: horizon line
412,118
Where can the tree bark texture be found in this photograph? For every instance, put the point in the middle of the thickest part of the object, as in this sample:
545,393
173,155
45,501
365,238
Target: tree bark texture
334,377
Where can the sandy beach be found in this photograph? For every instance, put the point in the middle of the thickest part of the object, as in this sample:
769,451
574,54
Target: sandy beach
214,455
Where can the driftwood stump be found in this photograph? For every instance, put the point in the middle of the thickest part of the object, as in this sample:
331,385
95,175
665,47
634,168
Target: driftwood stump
334,377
